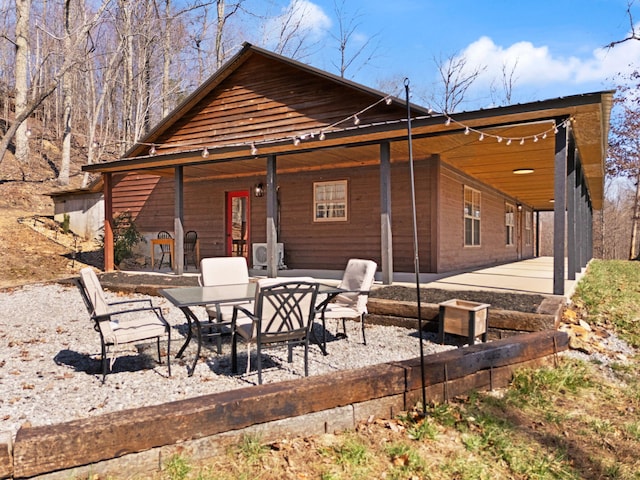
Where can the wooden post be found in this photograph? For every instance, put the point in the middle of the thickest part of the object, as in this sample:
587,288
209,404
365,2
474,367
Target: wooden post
108,222
272,212
559,207
178,228
386,237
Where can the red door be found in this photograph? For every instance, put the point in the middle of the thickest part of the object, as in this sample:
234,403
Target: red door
237,228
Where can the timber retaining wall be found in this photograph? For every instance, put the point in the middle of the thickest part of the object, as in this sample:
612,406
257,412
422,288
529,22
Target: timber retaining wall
140,441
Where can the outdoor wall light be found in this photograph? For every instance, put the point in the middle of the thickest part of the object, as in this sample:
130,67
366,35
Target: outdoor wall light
258,190
519,207
523,171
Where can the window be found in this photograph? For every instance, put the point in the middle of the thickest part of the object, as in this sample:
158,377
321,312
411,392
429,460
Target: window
527,227
330,201
471,217
510,222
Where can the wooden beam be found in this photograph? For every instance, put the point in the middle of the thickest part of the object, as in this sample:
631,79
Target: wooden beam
108,222
559,208
386,237
178,221
272,218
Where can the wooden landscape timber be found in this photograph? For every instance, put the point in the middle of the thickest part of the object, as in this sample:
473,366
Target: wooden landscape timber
139,440
502,323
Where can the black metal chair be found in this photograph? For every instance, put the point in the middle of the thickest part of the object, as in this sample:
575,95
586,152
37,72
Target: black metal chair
190,240
283,314
165,249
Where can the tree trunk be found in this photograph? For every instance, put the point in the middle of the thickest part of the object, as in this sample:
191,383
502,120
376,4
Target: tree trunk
21,137
633,251
65,161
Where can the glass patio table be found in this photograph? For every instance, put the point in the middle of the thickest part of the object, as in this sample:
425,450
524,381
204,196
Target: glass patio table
186,297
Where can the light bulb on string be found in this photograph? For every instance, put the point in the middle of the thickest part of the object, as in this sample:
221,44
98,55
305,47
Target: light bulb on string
481,137
535,138
467,130
509,142
448,122
555,129
205,152
322,136
254,150
388,100
544,135
152,150
356,120
522,141
296,141
499,139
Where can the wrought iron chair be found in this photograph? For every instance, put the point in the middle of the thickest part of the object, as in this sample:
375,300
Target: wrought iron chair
120,323
283,314
190,240
357,280
165,249
222,271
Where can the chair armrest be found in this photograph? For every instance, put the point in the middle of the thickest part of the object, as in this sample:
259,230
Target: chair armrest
108,316
135,300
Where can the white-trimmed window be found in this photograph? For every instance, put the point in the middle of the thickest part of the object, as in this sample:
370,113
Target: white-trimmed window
510,222
330,201
528,230
471,217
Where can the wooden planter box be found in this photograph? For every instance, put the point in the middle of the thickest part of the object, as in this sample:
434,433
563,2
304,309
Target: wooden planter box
464,318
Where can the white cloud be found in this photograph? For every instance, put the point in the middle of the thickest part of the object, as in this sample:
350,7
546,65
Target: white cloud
538,67
300,17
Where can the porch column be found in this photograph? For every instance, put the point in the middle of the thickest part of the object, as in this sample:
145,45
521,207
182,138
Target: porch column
108,221
178,220
386,237
272,212
559,207
573,216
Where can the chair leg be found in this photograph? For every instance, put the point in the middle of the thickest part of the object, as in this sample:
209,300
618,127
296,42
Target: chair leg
168,352
364,339
105,362
234,353
259,353
306,358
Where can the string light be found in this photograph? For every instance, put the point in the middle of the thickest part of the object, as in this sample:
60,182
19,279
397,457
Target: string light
205,152
322,136
522,141
509,142
152,150
356,120
254,150
296,141
448,122
467,131
499,139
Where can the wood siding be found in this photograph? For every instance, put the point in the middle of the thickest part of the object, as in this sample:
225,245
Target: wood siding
328,245
268,100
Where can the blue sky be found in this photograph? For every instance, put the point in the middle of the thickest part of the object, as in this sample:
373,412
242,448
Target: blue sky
555,47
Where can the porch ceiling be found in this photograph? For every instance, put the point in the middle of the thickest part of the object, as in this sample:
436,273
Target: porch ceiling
490,161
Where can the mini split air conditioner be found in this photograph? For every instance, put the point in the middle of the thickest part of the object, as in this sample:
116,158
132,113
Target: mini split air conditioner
260,255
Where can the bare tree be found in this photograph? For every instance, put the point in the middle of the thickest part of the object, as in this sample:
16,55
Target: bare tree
634,33
624,146
456,77
294,36
348,49
23,9
503,94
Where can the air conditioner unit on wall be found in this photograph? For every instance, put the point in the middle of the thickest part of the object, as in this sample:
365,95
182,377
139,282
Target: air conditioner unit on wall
260,255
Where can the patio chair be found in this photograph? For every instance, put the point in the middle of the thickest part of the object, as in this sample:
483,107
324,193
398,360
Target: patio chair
120,323
283,315
165,249
222,271
190,240
357,280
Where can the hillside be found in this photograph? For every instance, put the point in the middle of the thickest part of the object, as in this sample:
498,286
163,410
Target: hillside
30,255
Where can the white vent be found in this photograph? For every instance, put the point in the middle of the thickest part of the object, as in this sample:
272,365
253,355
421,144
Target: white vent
260,255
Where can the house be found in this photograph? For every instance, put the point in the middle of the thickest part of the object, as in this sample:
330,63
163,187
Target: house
272,151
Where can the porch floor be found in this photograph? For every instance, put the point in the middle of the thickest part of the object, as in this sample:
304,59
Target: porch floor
533,276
